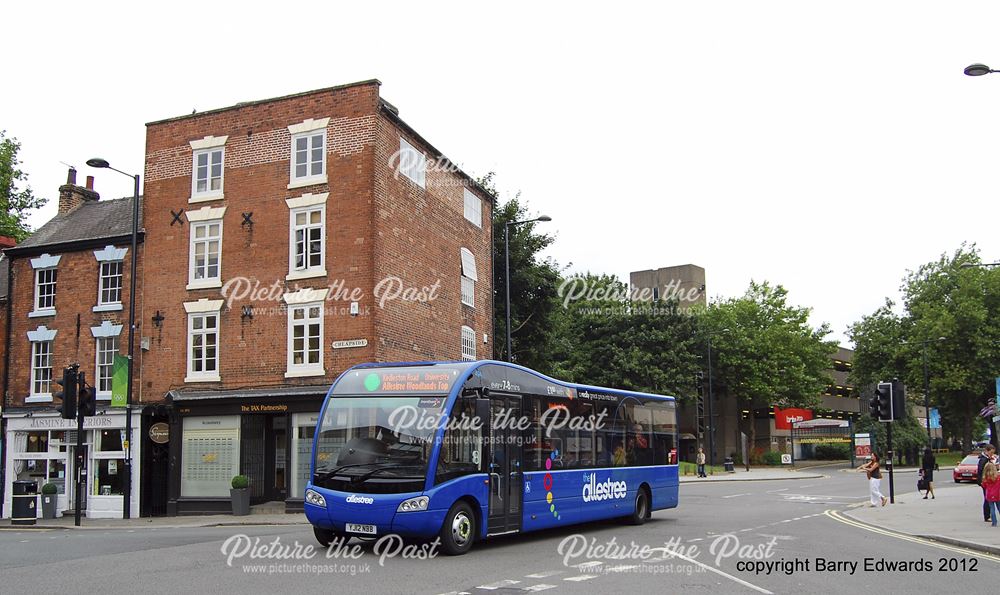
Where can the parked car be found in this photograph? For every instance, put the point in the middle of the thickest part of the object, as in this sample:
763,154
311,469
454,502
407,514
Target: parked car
966,469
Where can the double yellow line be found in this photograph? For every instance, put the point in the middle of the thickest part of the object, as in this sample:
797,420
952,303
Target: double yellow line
833,514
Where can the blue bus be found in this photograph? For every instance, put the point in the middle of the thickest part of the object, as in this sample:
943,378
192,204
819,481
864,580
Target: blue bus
469,450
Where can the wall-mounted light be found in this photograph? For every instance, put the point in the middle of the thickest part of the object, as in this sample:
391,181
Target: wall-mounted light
158,319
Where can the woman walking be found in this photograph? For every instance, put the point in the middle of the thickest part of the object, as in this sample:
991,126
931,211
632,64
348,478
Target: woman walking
874,472
927,466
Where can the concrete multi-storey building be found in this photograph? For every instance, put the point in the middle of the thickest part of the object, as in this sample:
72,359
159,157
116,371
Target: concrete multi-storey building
67,286
288,239
684,283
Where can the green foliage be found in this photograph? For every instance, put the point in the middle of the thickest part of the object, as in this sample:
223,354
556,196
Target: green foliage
609,341
772,458
14,203
241,482
832,452
950,298
49,489
533,284
765,351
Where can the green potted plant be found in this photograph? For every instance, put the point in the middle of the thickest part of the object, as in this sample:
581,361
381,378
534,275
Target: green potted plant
50,495
240,495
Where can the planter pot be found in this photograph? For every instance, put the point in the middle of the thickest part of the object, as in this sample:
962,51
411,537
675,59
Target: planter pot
49,506
241,501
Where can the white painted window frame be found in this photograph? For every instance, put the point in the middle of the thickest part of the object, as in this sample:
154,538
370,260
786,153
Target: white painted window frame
469,277
202,309
106,331
307,129
468,344
208,146
305,298
305,204
412,163
473,208
39,337
204,216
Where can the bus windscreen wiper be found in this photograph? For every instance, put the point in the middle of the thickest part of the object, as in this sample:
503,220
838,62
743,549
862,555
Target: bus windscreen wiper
373,472
328,474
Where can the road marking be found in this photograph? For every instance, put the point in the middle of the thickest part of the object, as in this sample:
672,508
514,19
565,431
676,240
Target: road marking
736,495
781,490
724,574
544,574
540,587
581,577
498,585
833,514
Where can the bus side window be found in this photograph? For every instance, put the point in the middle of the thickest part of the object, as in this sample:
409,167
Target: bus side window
664,428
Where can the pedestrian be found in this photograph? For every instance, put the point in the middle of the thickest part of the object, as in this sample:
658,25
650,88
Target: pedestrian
991,484
700,459
874,473
985,458
927,467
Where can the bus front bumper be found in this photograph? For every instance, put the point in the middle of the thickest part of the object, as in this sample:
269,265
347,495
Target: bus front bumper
372,511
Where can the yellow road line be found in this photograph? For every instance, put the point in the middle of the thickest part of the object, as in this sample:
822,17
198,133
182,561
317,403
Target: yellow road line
833,514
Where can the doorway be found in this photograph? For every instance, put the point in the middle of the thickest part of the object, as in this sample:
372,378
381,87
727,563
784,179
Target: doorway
505,472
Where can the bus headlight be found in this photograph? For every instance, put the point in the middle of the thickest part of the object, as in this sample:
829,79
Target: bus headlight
315,498
413,504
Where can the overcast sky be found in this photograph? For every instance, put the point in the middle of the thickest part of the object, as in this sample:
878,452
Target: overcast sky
825,146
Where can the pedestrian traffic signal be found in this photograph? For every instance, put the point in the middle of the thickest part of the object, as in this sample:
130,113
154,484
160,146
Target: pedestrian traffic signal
88,398
68,394
875,405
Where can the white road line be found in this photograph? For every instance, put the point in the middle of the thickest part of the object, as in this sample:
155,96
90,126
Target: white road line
776,491
544,574
498,585
580,578
736,495
721,573
540,587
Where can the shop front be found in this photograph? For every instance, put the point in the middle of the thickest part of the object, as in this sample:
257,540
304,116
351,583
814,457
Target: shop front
41,447
264,434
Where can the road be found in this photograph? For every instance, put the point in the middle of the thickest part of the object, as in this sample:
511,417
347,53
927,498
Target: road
790,524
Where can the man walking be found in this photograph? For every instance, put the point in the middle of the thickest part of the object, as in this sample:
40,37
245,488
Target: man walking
700,459
985,457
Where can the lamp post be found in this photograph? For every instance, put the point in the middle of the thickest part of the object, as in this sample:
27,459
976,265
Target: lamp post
978,70
927,381
506,257
127,471
711,398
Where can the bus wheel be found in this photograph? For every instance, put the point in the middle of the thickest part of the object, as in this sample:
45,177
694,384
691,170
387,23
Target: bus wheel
641,512
459,529
325,536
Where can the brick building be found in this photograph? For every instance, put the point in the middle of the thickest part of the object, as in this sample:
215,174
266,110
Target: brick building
288,239
67,284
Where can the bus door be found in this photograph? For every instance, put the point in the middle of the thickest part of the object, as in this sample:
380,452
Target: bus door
505,472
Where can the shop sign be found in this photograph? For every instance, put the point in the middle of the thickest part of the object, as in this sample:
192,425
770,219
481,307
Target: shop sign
159,433
89,423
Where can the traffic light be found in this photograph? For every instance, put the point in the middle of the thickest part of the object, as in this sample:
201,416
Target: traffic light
898,400
88,398
875,405
68,394
882,408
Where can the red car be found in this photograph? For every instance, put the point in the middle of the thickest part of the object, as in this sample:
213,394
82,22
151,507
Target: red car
966,469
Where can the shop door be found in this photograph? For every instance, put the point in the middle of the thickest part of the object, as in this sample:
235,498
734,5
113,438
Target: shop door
277,455
506,477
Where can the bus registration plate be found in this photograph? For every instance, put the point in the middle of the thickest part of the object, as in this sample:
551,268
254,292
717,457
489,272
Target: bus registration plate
365,529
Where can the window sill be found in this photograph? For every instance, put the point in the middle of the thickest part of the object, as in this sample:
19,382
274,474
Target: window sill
41,313
305,373
468,305
103,397
39,399
215,378
301,182
108,307
306,274
196,198
212,284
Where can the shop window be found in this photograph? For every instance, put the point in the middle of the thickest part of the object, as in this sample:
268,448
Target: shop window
108,477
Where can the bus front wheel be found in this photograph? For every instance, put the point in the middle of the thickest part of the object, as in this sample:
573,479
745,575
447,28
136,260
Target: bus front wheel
459,529
641,511
325,536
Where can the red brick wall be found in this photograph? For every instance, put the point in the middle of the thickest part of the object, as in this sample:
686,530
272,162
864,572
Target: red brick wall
76,295
375,227
419,234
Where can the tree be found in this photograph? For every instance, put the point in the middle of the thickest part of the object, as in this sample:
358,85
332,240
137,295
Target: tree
766,352
533,284
16,203
603,338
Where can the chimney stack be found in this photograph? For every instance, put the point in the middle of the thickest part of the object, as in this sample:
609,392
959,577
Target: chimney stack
71,196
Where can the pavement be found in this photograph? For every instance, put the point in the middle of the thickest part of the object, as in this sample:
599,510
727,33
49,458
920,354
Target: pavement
955,516
169,522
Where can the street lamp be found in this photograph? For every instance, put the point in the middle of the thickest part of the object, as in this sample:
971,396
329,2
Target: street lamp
506,257
711,398
927,381
978,70
127,471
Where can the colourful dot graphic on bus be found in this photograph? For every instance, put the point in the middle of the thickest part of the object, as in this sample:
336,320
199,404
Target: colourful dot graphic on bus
372,382
547,483
548,497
